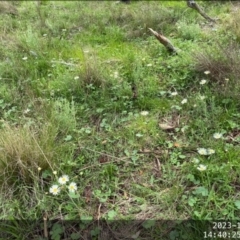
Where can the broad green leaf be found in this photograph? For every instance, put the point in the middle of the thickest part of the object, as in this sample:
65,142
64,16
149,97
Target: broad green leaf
111,214
237,204
192,201
68,138
148,224
73,195
201,191
75,236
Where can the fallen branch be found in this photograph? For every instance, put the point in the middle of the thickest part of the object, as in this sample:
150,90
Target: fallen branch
194,5
164,41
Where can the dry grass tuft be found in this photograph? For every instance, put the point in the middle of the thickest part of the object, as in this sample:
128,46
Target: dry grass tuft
7,8
92,75
136,21
223,64
234,23
23,150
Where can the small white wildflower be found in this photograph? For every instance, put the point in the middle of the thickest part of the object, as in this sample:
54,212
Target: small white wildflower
149,65
202,97
62,180
226,79
210,151
207,72
76,78
44,35
195,105
24,58
202,151
72,187
39,169
195,160
144,113
139,135
54,189
217,135
55,172
184,101
26,111
201,167
203,81
174,93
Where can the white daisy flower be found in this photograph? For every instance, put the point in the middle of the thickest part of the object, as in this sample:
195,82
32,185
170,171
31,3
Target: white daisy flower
184,101
217,135
207,72
54,189
202,151
55,172
203,81
62,180
201,167
144,113
174,93
72,187
210,151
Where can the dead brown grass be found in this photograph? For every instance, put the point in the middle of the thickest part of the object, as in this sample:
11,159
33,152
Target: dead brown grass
8,8
222,62
23,150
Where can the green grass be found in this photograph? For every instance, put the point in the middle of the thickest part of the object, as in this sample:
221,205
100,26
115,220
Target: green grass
93,95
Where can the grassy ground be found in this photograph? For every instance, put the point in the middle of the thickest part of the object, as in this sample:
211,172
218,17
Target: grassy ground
144,134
